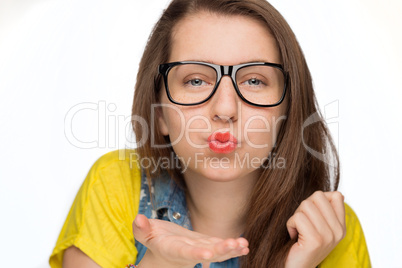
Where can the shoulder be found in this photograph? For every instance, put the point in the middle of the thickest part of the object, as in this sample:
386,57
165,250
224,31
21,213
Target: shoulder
354,232
100,220
352,250
124,158
110,191
116,177
114,168
112,185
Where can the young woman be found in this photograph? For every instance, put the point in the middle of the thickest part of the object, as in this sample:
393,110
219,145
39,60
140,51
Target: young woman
221,176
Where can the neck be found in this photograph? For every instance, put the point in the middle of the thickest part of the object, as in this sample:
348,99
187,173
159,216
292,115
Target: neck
218,208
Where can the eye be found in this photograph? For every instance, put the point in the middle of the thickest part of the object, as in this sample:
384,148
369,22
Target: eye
196,82
253,82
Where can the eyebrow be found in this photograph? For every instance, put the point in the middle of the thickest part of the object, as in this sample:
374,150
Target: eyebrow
212,62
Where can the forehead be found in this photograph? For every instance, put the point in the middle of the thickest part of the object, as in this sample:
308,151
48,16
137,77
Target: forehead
223,39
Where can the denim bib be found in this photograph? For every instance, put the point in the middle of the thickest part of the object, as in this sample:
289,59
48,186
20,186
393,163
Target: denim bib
169,205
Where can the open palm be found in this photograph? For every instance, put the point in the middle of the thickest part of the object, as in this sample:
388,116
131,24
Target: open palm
173,245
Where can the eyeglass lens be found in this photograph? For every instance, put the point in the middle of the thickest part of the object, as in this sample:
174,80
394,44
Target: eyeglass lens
193,83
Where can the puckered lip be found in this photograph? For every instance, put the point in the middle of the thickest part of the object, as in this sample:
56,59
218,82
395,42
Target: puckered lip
222,142
222,137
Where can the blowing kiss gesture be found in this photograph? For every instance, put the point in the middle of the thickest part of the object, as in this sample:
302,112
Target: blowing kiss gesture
318,223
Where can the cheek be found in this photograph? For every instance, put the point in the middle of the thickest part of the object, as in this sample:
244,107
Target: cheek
260,130
185,124
257,134
174,123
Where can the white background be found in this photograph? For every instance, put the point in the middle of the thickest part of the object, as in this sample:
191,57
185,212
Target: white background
55,55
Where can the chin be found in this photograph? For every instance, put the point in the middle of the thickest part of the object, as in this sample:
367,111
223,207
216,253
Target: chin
221,175
224,174
220,169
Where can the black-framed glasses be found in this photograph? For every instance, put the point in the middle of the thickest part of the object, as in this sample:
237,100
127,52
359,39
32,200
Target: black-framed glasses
261,84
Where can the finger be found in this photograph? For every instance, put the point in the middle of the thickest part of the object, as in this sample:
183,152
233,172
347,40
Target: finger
230,248
243,243
322,201
242,252
337,202
199,249
225,246
300,226
197,253
209,240
309,208
212,249
323,204
219,244
142,229
242,249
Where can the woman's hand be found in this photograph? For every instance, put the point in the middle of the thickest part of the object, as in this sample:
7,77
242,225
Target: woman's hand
319,225
170,245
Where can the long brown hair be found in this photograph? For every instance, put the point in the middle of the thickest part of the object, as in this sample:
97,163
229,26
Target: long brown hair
278,191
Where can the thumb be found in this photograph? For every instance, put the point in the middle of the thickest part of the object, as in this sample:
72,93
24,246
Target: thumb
142,229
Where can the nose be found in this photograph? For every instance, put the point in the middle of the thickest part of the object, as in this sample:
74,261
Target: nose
225,102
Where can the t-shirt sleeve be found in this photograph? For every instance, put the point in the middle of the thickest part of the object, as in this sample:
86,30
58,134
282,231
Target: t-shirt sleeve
100,220
352,250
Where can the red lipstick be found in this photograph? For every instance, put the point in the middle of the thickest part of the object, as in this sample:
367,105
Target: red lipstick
222,143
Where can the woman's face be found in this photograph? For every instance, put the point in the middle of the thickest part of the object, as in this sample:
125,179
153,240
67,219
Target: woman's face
223,40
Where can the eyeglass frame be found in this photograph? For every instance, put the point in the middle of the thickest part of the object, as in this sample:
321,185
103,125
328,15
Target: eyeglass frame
222,70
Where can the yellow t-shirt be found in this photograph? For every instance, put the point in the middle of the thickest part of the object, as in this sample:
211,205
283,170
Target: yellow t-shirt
100,220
